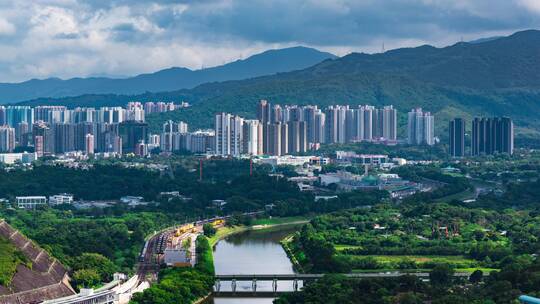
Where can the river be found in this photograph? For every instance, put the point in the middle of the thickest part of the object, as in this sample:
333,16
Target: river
252,252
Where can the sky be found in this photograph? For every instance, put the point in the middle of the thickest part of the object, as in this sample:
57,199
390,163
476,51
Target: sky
79,38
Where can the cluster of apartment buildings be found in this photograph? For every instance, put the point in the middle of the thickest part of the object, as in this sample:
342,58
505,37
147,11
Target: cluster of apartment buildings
296,129
489,136
57,129
176,137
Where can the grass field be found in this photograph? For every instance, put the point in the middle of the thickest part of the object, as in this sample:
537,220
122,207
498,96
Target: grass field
280,220
463,270
346,247
414,263
460,196
421,258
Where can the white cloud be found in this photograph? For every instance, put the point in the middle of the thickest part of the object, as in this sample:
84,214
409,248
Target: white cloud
68,38
533,5
6,28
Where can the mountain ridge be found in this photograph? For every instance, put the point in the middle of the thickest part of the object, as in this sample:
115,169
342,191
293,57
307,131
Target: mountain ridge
496,77
266,63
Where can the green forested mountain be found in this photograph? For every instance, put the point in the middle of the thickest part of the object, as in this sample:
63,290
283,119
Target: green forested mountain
495,77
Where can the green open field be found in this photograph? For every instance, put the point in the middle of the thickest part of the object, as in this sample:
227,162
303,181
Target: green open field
413,263
280,220
460,196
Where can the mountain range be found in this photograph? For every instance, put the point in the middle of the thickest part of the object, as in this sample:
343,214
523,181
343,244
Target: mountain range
495,77
175,78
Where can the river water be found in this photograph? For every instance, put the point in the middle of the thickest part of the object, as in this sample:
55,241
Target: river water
252,252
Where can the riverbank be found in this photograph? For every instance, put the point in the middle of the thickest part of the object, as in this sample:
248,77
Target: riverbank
290,254
261,224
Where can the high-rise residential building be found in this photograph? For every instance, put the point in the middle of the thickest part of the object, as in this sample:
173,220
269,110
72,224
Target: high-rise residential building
492,135
64,137
420,129
456,130
3,119
43,131
276,114
38,145
135,111
229,135
169,131
201,142
336,124
81,130
319,128
111,115
277,141
389,123
263,111
21,133
368,112
7,139
297,137
132,133
89,144
17,114
252,141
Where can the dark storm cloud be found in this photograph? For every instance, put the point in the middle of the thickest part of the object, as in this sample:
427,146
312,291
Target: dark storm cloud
344,22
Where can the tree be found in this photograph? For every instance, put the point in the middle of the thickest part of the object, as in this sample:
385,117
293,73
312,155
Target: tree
441,275
102,265
86,278
209,230
476,276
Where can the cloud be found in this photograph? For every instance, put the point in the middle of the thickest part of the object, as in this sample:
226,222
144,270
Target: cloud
68,38
6,28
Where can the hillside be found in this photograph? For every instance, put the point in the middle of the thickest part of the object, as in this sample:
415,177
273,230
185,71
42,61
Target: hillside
28,274
496,77
266,63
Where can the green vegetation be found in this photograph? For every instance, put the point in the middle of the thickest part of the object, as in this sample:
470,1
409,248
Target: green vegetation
90,269
280,220
426,152
412,237
86,278
209,230
182,284
515,278
69,237
10,258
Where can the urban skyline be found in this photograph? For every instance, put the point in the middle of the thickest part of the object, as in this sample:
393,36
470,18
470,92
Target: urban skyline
277,130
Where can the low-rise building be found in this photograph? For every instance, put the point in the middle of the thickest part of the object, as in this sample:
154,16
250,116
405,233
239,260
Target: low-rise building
177,257
131,200
218,203
11,158
61,199
365,159
30,202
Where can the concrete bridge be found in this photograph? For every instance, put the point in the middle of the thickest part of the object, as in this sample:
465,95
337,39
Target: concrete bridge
295,279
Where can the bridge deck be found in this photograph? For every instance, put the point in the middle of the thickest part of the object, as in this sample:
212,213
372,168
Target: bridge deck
291,277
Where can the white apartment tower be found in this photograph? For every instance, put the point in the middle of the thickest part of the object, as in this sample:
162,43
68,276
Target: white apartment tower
229,135
420,127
